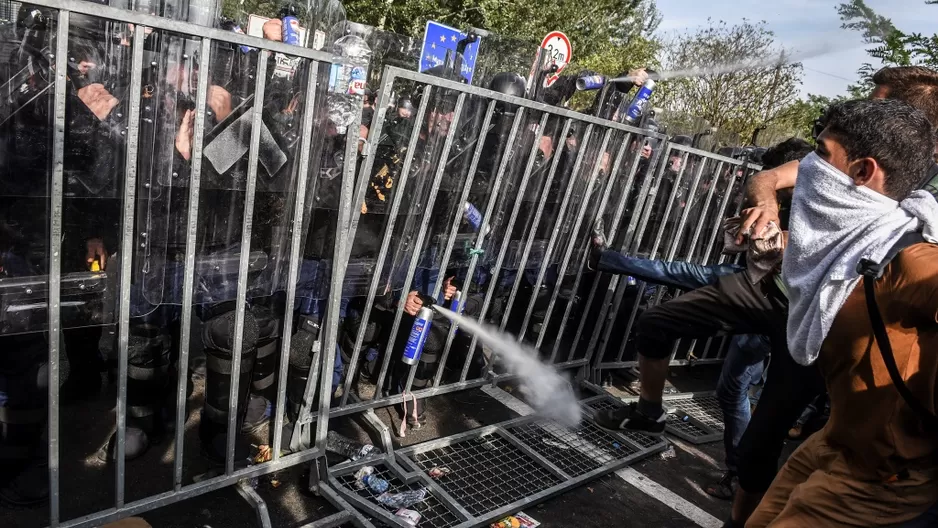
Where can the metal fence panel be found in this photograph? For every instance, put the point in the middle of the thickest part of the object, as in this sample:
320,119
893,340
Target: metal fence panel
277,268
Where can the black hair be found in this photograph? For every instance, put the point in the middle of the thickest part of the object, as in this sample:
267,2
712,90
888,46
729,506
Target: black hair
789,150
894,133
916,85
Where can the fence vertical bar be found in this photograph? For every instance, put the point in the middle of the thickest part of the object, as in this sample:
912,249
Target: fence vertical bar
571,246
418,244
535,222
340,264
251,185
654,247
127,236
296,246
480,240
470,178
55,261
388,233
558,225
600,210
188,288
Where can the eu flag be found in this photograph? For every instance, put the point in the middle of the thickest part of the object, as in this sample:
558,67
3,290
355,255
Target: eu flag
437,40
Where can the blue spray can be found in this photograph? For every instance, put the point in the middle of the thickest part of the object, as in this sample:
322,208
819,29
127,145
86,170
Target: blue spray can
473,216
637,108
418,336
590,82
290,33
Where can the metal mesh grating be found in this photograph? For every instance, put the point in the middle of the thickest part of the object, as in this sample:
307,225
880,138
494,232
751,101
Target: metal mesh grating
575,451
705,408
487,473
643,440
688,428
433,513
603,404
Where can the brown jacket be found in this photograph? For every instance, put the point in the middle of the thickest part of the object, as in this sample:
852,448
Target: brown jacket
879,434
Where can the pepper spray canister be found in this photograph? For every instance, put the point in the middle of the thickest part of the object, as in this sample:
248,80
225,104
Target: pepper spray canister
590,82
418,336
637,107
290,32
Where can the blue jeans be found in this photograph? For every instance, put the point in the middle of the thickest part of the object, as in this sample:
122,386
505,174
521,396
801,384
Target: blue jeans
682,275
743,367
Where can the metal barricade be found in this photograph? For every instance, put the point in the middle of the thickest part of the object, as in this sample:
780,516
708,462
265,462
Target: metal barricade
499,193
682,219
267,197
490,195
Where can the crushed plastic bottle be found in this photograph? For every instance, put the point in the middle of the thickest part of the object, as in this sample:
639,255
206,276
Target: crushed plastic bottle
404,499
409,517
375,483
336,443
347,80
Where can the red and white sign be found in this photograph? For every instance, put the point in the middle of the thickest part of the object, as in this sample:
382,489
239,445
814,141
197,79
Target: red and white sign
559,51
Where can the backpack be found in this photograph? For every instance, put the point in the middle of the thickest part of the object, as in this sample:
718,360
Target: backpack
871,271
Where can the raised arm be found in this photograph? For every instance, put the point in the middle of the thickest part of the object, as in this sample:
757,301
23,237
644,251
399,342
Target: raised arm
761,194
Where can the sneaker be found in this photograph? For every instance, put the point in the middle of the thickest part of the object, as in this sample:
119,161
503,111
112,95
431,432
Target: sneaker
629,419
723,489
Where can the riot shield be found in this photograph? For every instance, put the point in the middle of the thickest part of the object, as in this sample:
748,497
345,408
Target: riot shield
97,96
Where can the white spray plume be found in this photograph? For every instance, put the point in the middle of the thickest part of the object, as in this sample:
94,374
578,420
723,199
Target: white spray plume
549,393
818,48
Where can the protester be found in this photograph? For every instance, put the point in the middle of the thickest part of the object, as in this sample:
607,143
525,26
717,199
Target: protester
743,366
915,85
873,464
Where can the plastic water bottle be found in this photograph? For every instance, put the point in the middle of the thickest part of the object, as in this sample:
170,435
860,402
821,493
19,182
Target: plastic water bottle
347,80
637,108
418,336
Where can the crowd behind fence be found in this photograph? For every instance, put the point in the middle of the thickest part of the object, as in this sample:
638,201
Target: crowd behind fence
270,237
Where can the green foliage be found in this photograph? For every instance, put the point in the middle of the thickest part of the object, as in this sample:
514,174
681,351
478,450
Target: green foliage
890,45
608,36
736,77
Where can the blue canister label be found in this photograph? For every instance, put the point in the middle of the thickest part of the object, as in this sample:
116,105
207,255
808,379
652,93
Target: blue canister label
473,216
237,29
357,81
637,108
291,31
590,82
418,336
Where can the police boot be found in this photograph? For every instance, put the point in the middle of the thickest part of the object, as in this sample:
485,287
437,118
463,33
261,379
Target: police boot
368,355
301,361
263,387
218,335
23,413
149,375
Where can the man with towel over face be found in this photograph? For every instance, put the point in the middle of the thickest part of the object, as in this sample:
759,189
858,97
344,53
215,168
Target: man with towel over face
874,464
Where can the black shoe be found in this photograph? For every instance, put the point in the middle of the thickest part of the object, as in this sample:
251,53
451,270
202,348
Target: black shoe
723,489
629,419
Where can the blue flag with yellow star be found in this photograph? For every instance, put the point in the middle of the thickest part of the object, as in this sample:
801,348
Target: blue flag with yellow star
437,40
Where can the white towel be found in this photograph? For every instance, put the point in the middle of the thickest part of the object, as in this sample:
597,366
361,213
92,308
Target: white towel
834,224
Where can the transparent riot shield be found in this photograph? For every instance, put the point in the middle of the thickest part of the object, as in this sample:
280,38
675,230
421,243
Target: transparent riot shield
97,95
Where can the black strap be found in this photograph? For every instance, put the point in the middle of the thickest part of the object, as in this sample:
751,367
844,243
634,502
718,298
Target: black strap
871,272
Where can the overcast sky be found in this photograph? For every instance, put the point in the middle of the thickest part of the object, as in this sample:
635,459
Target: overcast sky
809,26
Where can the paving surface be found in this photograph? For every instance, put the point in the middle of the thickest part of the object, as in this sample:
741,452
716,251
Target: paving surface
665,490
